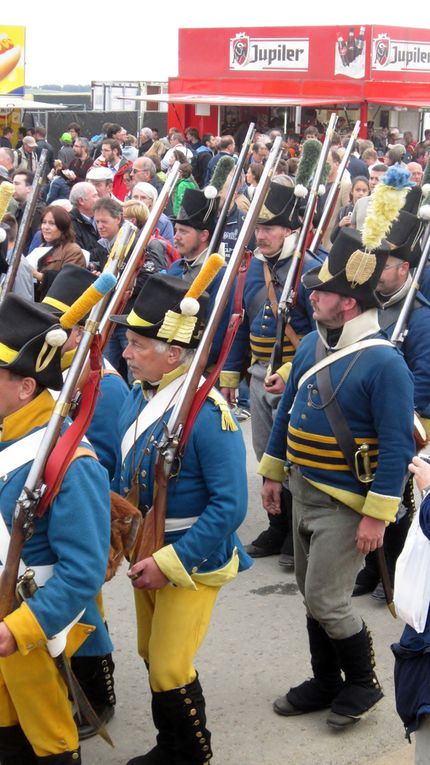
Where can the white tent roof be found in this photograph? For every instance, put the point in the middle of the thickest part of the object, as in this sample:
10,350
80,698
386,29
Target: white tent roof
19,102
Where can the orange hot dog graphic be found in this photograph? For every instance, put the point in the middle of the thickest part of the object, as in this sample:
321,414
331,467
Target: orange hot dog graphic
9,55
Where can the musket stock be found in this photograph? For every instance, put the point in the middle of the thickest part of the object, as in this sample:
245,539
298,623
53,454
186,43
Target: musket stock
152,532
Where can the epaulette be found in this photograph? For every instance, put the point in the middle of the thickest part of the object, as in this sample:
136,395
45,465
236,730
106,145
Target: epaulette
227,421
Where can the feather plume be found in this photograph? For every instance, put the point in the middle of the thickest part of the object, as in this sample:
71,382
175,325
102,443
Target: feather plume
222,170
325,173
308,161
6,191
387,200
206,275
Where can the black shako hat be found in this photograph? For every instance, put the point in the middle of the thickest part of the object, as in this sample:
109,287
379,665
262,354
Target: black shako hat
161,313
404,236
197,211
281,207
350,270
30,341
69,284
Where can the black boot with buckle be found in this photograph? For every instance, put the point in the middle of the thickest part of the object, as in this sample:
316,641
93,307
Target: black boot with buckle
95,676
361,690
324,686
183,739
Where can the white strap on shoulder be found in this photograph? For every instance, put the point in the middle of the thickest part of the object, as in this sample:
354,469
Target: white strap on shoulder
20,452
354,348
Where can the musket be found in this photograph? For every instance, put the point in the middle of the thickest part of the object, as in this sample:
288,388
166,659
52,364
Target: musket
400,330
24,228
219,228
334,192
289,293
26,588
153,529
34,488
131,267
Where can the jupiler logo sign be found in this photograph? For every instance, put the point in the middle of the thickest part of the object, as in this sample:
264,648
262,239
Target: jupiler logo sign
400,55
268,53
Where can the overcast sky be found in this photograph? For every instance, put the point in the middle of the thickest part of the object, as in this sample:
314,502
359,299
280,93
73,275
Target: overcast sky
92,41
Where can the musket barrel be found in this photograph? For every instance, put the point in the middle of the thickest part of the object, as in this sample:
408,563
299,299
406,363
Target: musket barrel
117,300
216,236
198,365
402,320
334,190
27,217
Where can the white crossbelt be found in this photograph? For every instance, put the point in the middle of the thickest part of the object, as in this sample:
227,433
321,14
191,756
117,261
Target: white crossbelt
42,573
180,524
153,410
20,452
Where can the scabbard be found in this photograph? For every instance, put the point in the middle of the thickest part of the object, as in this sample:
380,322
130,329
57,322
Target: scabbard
385,579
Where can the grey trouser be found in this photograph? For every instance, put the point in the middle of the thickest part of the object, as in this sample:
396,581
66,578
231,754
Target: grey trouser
326,558
422,742
263,408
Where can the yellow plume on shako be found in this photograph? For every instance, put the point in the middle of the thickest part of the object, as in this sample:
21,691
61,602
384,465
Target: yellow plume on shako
189,304
6,192
180,326
385,204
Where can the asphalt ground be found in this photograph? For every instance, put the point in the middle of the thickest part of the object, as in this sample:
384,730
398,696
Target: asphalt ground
255,650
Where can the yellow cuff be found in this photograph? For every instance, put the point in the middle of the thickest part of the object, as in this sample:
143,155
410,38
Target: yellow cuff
169,563
222,575
29,635
272,467
381,507
26,629
285,370
229,379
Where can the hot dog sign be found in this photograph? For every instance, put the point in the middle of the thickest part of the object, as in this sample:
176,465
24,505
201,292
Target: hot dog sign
12,60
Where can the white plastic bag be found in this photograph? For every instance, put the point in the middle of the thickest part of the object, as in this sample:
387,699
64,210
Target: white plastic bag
412,578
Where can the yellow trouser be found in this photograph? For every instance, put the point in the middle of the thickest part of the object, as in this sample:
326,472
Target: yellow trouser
171,626
33,695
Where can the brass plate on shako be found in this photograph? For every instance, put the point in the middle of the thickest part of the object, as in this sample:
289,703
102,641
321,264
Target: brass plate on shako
360,267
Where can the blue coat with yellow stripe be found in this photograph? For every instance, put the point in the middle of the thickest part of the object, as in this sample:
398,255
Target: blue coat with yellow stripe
257,332
210,487
73,536
375,395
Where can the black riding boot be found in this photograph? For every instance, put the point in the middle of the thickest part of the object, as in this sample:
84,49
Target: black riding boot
15,748
95,676
361,690
324,686
183,739
65,758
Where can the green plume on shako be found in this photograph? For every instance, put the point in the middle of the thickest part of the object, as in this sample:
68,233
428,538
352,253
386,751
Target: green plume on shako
222,170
